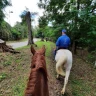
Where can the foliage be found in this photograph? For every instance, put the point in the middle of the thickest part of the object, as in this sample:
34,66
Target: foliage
3,76
77,16
5,31
19,31
91,57
47,46
41,28
44,30
13,33
3,4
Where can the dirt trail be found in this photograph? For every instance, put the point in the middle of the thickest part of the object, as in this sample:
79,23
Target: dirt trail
81,72
55,85
82,79
21,44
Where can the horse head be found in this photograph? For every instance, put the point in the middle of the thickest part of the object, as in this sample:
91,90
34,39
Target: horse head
37,83
40,51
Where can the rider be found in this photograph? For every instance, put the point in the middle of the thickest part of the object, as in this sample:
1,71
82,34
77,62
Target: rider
62,42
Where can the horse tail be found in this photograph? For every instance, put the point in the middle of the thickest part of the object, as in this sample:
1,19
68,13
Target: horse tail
59,65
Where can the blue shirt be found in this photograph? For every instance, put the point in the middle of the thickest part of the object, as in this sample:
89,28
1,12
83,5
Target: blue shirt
63,41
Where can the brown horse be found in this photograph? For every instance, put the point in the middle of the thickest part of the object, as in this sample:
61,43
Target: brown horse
37,83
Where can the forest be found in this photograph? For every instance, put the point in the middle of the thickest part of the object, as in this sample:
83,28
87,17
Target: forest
78,17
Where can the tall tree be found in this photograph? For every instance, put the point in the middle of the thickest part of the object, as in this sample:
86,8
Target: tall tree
3,4
26,19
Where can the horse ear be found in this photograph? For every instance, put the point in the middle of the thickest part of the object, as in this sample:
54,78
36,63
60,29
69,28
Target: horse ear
43,49
32,50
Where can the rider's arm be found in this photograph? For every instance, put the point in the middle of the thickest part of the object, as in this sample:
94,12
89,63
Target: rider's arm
57,43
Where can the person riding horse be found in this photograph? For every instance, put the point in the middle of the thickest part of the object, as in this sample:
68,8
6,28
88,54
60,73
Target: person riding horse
63,58
63,42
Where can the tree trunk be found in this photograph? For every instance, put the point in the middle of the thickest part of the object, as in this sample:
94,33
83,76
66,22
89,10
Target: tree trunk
6,48
74,47
30,36
76,21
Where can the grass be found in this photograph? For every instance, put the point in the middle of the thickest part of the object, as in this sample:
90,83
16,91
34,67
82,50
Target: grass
24,47
5,60
80,88
19,87
3,76
48,46
16,69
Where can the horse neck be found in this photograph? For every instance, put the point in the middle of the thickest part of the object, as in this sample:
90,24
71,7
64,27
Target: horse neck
38,72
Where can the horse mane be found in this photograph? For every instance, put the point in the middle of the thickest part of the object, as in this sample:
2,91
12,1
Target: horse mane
37,82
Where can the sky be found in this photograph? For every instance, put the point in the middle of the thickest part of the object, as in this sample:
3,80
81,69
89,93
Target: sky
13,13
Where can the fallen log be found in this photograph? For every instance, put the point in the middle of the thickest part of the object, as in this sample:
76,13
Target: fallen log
6,48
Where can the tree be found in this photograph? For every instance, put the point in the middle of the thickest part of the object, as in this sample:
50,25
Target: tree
19,31
77,16
26,19
3,4
5,31
42,25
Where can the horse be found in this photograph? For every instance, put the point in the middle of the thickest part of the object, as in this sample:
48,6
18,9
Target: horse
63,60
38,82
